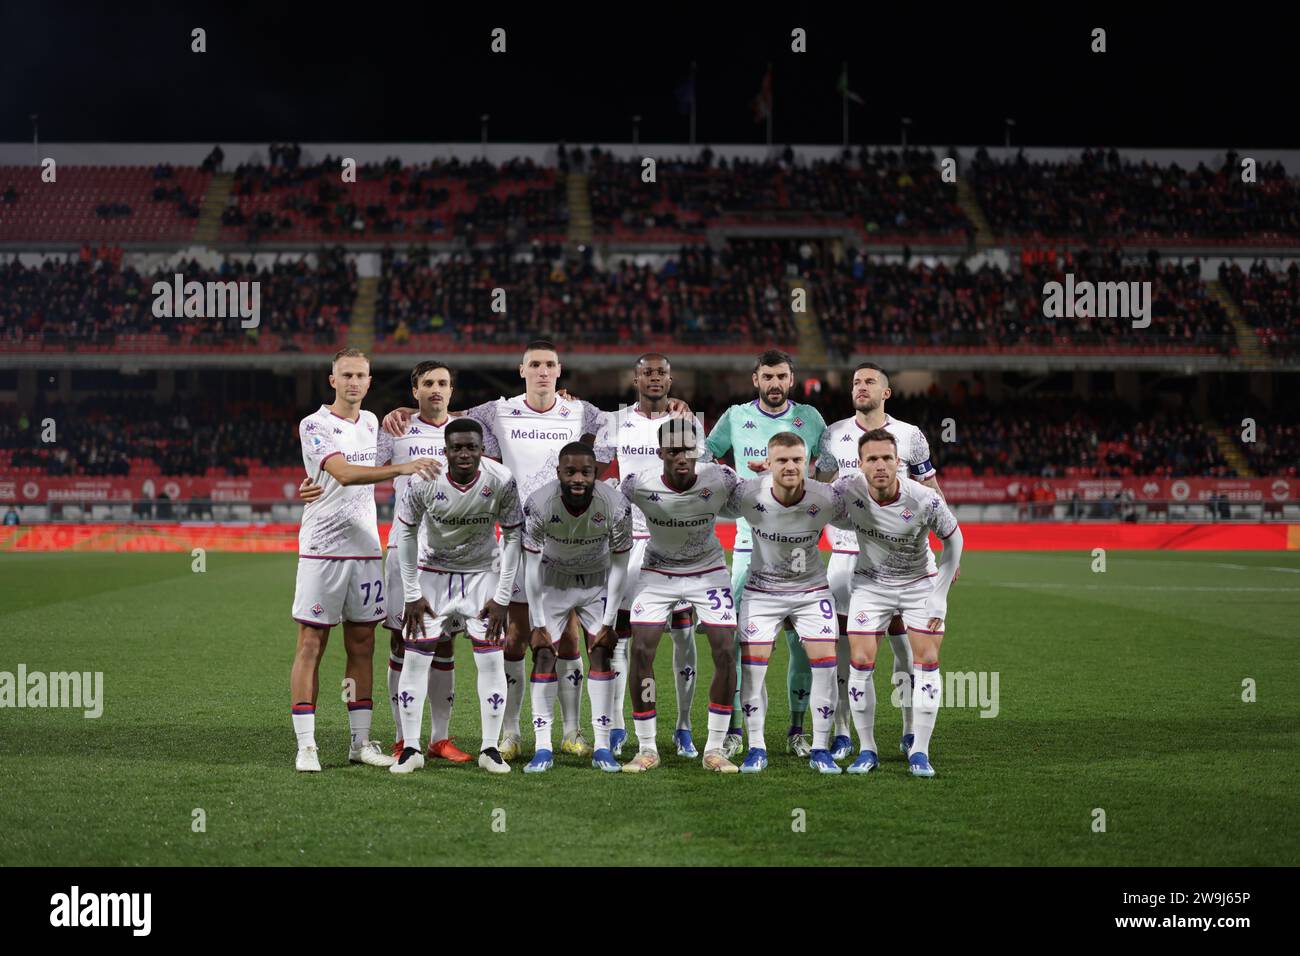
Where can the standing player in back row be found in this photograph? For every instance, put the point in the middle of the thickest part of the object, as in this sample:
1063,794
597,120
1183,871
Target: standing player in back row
340,564
896,574
631,436
839,456
744,431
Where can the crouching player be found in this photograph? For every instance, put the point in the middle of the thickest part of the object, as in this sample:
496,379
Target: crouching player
896,574
787,513
683,563
577,539
451,584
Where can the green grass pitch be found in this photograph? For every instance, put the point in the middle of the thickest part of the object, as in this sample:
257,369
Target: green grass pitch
1119,691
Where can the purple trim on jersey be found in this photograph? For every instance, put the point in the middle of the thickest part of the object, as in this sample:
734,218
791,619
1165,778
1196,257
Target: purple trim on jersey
802,495
788,406
741,550
530,550
664,480
327,458
624,551
835,551
507,527
460,487
350,421
884,504
945,537
867,634
409,524
542,411
686,574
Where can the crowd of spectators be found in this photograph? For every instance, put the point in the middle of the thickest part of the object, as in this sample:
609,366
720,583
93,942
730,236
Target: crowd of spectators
1102,195
863,304
112,436
736,296
1270,301
92,301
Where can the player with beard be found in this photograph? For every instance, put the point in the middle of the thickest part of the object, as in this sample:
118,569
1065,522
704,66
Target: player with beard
577,536
839,455
744,431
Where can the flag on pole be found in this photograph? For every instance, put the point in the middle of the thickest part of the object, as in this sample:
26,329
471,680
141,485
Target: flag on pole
686,94
843,86
762,103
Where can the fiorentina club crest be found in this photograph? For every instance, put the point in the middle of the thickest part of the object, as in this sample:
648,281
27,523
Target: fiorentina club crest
598,519
861,617
751,628
907,515
317,609
812,511
798,423
564,411
706,494
638,607
486,492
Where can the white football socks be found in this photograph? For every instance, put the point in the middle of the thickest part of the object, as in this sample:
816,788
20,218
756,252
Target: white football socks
647,726
600,687
514,695
360,713
569,670
620,667
304,724
862,704
442,689
753,700
545,688
719,720
927,697
411,691
491,693
903,665
825,694
394,678
684,673
842,685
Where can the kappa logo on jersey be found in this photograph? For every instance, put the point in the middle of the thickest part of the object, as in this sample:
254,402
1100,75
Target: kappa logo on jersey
798,423
749,424
311,426
812,511
440,496
654,496
629,424
826,629
907,515
726,615
706,494
515,411
761,507
555,519
415,430
338,431
317,609
846,437
859,503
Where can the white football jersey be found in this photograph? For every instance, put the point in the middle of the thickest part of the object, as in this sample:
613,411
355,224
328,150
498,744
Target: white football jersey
422,439
582,543
787,553
683,533
459,521
894,537
632,438
342,522
840,444
528,441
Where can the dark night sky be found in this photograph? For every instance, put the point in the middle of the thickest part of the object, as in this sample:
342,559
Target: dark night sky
318,72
